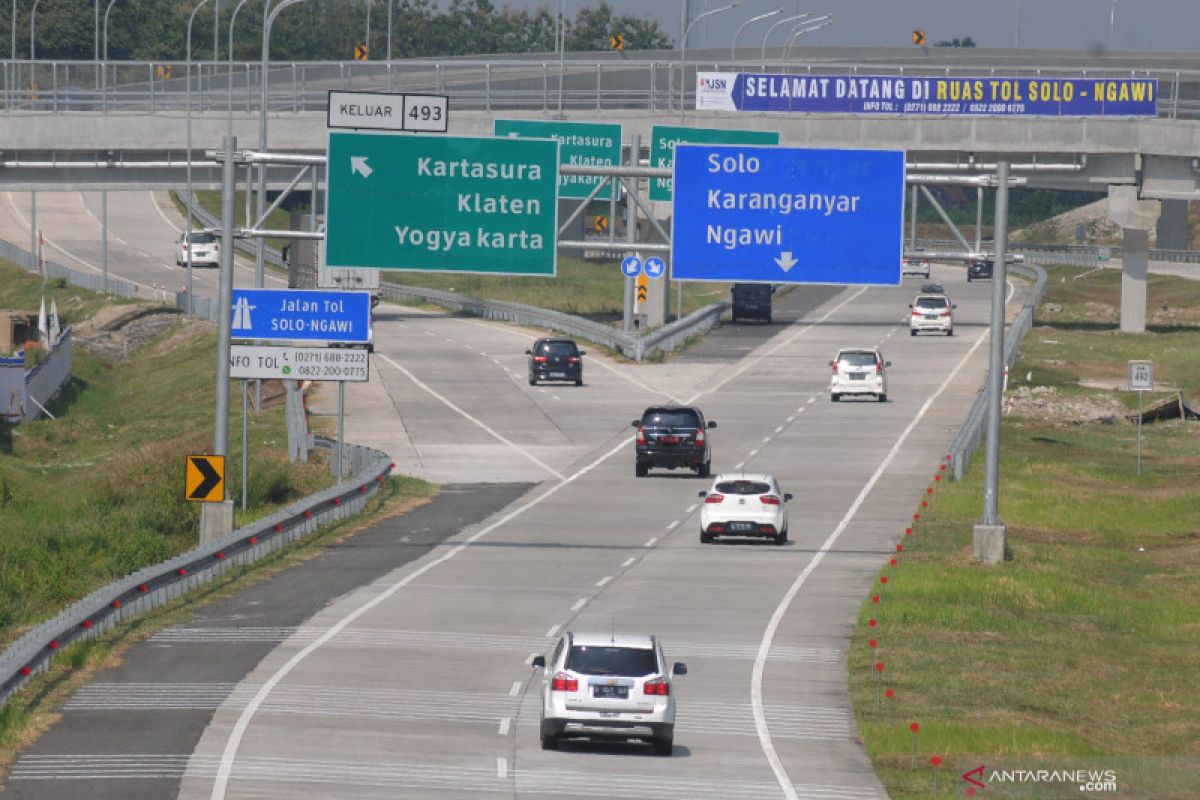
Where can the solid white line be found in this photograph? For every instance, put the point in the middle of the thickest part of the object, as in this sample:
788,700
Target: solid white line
628,561
501,767
604,581
764,648
504,723
690,508
529,659
229,753
580,603
516,689
671,525
550,634
446,402
650,542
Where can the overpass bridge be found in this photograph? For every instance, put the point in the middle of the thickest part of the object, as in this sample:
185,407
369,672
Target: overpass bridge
113,125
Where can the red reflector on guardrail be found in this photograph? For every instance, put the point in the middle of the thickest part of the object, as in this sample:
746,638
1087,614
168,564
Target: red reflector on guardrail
53,644
143,588
26,670
253,540
87,624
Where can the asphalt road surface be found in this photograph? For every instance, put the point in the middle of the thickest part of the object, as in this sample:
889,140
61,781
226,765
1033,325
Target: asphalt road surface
413,680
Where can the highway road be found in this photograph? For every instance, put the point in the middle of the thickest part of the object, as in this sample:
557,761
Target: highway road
398,664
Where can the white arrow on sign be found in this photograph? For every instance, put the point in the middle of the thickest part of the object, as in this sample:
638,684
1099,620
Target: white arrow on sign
359,164
785,260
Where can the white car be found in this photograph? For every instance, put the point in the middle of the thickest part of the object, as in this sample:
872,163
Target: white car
914,265
931,312
744,505
608,685
206,249
859,372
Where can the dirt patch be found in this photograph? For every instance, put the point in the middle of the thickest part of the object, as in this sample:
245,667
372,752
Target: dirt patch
1045,402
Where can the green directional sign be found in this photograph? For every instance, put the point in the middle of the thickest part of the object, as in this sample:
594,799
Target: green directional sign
663,139
441,204
579,143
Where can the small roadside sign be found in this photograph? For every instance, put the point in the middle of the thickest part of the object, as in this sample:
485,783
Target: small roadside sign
643,287
655,267
385,111
275,362
204,479
360,52
1141,376
918,38
631,267
616,41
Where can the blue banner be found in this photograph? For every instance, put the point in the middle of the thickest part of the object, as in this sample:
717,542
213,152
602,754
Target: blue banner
301,315
902,95
787,215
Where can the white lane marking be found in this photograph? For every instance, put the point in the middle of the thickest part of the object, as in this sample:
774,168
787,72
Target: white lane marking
446,402
791,418
580,603
760,661
431,333
604,581
754,452
768,438
229,753
556,397
779,429
405,539
170,222
690,508
626,563
504,723
494,361
811,400
501,767
529,659
550,634
739,465
650,542
515,689
671,525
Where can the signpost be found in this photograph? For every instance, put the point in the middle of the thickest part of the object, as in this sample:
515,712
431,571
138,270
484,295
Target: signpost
422,113
442,204
301,315
274,362
663,139
579,143
787,215
1141,380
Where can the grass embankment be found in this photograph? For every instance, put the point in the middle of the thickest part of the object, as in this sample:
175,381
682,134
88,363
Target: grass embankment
1080,651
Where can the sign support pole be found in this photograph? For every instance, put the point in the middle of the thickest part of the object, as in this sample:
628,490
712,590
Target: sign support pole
245,442
341,443
989,534
631,186
1139,443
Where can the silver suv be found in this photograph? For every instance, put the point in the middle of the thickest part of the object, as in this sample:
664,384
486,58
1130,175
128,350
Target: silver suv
608,686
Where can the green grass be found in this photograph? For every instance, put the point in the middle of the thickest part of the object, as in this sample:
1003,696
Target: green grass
98,492
1080,651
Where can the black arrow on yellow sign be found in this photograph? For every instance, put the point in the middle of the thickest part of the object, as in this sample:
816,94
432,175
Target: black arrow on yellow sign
601,223
204,481
360,52
642,287
616,41
919,38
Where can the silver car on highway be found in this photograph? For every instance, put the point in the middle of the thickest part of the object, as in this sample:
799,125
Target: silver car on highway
610,685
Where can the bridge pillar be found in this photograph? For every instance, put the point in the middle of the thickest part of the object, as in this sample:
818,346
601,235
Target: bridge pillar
1135,217
1173,225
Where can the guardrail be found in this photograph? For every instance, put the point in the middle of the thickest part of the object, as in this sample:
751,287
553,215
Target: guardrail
1084,255
488,85
157,585
969,436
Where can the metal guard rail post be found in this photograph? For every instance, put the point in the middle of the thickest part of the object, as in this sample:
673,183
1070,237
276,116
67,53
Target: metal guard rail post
969,436
159,584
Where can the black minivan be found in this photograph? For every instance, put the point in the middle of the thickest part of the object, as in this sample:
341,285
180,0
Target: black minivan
752,301
673,437
555,360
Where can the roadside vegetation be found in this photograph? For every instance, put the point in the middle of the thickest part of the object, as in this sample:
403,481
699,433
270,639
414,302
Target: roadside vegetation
1080,651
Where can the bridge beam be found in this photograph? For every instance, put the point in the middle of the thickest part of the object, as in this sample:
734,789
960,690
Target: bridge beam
1136,217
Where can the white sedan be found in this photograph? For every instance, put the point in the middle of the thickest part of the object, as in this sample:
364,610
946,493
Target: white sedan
744,505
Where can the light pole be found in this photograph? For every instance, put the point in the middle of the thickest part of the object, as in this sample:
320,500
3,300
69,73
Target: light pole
560,35
771,30
232,20
807,27
733,47
1112,19
1017,27
368,39
683,51
32,26
111,3
389,37
188,201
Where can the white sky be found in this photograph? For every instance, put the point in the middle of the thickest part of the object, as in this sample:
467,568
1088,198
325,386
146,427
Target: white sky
1161,25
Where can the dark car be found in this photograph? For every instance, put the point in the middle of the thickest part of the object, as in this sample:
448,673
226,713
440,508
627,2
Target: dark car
673,437
752,301
932,288
979,269
555,360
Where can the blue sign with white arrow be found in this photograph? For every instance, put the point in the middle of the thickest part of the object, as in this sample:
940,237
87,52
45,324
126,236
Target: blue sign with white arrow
655,267
631,266
787,215
301,315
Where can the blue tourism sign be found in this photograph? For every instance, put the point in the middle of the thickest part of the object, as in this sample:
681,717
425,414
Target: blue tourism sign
301,315
917,95
787,215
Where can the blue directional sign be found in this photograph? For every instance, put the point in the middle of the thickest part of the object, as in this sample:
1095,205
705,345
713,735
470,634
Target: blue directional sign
787,215
631,266
301,315
655,267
